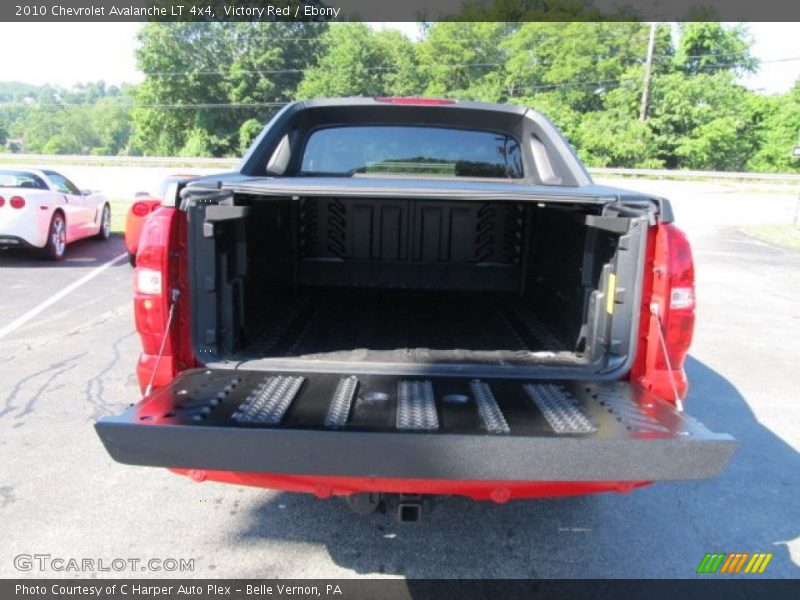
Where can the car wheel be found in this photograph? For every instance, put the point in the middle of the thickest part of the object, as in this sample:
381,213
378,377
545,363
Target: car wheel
132,258
105,224
56,238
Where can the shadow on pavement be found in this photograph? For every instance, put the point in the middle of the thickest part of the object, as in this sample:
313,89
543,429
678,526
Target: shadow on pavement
82,253
660,531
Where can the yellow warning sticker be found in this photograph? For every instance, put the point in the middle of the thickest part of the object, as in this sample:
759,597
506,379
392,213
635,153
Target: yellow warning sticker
611,292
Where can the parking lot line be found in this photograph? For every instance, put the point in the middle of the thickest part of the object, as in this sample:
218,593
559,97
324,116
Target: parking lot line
20,321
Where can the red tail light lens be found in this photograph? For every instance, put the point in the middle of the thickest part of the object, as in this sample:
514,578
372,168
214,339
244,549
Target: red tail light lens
151,299
2,201
150,278
140,209
17,202
416,101
677,314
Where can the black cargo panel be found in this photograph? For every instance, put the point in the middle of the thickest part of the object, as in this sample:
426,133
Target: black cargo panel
410,244
424,427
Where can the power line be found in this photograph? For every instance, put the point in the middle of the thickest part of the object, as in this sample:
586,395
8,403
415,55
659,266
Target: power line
279,103
605,35
133,106
274,104
738,53
551,86
722,66
777,60
395,68
285,71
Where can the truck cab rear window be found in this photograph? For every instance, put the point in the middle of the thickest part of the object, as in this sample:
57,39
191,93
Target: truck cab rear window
417,151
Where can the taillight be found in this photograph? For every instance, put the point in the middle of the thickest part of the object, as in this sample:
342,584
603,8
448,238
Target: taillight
147,281
667,318
140,209
151,304
2,201
415,101
17,202
677,312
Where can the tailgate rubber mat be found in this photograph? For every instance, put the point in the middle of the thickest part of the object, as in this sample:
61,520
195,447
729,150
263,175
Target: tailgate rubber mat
416,407
268,401
560,408
490,412
342,400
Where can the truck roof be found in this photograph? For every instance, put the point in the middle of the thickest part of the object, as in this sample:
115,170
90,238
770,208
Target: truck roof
548,157
440,103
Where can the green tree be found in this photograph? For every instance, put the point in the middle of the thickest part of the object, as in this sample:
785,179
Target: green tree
110,120
577,62
42,123
248,132
704,121
586,76
61,144
606,140
358,61
102,127
210,87
403,77
709,47
463,60
779,133
211,77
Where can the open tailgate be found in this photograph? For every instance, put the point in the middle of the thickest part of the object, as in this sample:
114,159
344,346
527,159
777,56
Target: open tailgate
420,427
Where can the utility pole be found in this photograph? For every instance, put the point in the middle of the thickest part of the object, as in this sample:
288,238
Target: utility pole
648,72
796,154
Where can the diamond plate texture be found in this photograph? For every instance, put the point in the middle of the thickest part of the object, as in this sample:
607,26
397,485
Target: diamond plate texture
269,400
490,412
627,412
416,407
560,408
339,409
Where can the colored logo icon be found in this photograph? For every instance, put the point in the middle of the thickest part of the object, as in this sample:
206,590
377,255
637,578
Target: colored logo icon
736,563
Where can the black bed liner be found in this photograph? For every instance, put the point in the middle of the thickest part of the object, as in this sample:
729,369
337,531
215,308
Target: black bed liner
251,272
403,327
413,427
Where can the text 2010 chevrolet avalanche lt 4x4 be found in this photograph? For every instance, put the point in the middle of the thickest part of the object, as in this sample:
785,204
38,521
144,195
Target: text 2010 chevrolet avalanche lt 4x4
414,296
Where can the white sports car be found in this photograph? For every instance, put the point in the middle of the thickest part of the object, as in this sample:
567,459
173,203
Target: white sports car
40,208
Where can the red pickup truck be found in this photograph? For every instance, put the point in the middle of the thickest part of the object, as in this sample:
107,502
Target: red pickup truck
397,297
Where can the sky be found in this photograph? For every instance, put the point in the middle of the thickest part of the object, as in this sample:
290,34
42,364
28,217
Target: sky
105,51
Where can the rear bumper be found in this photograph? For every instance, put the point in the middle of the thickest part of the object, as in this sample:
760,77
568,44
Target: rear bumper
133,231
24,228
192,424
14,241
496,491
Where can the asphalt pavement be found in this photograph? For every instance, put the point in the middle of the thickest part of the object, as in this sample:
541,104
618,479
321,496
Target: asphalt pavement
60,493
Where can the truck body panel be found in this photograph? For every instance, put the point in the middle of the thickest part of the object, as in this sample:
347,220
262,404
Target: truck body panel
333,324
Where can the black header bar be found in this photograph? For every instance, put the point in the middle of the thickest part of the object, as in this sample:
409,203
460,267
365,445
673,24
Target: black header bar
711,588
408,10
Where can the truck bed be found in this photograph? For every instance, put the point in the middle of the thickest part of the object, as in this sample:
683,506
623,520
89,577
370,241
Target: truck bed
403,327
